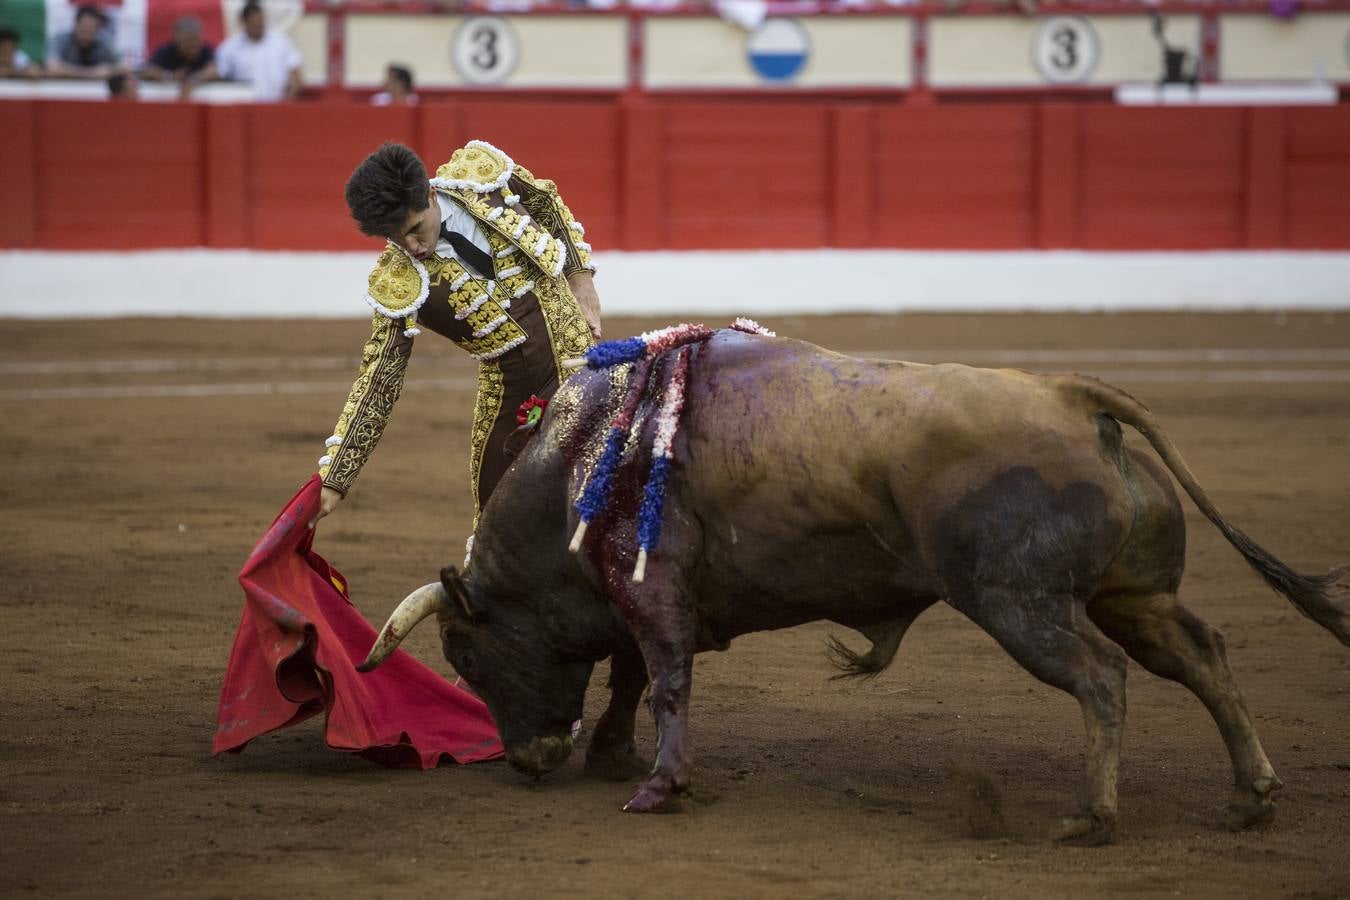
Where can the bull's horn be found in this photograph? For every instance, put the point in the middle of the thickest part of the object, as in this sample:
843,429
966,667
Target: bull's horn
415,607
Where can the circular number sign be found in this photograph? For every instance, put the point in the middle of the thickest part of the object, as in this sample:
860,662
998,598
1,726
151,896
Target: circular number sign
484,50
1065,50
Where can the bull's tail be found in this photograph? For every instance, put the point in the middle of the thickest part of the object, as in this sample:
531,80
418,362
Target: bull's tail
1316,596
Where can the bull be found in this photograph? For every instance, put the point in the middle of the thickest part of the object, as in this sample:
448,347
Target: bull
814,486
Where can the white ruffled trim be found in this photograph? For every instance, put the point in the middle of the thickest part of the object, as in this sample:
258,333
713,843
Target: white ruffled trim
512,199
448,184
504,348
540,246
520,227
333,441
562,260
325,460
421,296
468,551
491,326
582,245
472,307
750,326
591,267
507,273
463,279
503,254
495,213
578,228
412,332
523,290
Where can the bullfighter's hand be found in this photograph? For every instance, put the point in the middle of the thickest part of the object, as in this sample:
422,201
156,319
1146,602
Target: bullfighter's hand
583,288
328,501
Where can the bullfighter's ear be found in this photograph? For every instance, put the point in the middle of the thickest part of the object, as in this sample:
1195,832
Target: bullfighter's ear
458,592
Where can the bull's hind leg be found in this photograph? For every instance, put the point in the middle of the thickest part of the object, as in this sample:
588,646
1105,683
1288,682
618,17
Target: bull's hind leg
1171,642
1053,639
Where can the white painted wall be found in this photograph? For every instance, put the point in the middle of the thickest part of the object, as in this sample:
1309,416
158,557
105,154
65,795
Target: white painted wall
241,284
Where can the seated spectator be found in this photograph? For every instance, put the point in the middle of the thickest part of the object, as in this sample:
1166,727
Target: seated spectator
398,88
185,59
14,63
266,59
123,86
85,52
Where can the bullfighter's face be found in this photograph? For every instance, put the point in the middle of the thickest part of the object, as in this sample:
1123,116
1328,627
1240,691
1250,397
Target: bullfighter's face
421,229
533,693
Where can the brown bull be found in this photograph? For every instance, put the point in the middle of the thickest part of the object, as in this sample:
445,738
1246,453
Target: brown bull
811,486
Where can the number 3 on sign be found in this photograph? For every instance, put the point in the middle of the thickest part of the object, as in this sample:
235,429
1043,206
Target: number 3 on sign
1065,49
484,50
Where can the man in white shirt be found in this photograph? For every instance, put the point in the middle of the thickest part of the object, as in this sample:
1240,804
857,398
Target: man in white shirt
398,88
266,59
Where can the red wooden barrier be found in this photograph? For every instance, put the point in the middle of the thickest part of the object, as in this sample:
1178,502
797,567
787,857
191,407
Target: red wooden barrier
698,173
1161,179
959,176
1317,178
18,166
118,176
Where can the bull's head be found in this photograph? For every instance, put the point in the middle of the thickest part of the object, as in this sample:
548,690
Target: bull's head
517,660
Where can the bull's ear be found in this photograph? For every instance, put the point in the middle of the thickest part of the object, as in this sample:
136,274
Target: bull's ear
458,592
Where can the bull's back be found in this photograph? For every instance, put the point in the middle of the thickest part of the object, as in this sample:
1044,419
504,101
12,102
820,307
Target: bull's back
821,423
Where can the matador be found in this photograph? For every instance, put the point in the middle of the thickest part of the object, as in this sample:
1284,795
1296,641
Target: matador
484,254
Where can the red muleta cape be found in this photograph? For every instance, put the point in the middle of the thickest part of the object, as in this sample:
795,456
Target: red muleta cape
295,656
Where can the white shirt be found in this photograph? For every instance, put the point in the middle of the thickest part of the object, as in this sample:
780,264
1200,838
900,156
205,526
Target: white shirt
266,64
458,220
384,98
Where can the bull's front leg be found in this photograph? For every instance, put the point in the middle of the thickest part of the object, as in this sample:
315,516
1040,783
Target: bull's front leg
612,753
672,666
659,614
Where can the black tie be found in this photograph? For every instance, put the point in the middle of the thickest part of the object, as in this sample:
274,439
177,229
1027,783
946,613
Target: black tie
468,253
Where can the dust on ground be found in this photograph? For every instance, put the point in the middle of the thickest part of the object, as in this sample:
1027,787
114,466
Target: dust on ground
143,459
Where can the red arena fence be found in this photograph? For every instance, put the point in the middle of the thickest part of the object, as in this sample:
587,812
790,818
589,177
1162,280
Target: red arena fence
690,173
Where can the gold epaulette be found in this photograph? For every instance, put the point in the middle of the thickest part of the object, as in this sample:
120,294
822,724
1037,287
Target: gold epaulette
398,285
477,166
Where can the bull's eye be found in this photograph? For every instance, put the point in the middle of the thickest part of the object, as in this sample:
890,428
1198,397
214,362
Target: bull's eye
467,665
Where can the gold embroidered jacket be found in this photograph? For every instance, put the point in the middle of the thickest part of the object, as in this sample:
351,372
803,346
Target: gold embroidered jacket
535,243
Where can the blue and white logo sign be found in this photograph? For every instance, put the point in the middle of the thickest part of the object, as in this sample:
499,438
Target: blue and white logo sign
777,49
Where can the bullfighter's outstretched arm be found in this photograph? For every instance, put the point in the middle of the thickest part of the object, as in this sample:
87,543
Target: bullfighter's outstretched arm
369,405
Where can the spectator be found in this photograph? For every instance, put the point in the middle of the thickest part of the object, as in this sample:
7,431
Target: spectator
123,86
187,59
14,63
86,51
266,59
398,88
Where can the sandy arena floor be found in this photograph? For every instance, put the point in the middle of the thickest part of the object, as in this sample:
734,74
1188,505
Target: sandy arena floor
143,458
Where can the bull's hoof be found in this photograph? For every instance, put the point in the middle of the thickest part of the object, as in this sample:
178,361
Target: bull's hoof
1255,808
1241,816
616,765
1086,829
653,798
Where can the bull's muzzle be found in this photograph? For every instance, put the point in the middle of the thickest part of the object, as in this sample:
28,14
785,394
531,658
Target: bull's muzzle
541,755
